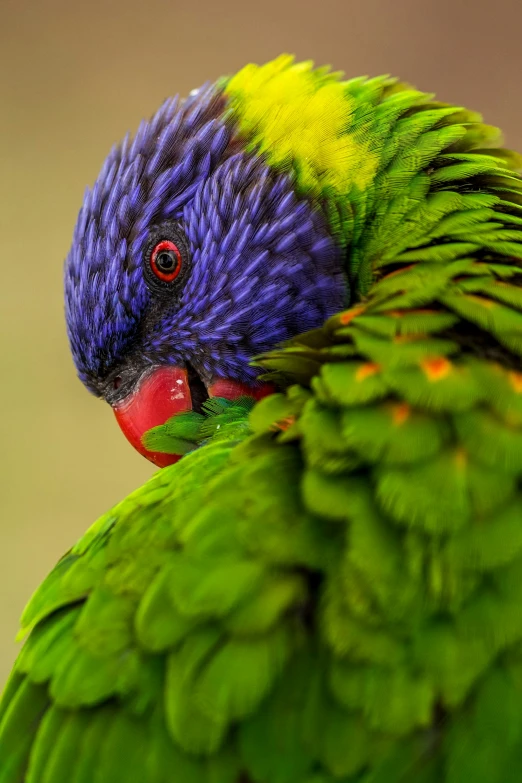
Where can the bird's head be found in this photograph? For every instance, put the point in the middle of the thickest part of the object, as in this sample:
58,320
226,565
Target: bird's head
192,253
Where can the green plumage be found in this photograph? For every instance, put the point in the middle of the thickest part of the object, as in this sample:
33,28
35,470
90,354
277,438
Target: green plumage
329,587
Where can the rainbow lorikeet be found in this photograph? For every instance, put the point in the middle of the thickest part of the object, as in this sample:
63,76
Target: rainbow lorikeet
328,585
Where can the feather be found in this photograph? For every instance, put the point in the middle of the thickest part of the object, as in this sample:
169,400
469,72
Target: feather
19,724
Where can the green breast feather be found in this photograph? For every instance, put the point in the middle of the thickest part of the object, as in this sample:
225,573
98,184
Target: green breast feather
329,588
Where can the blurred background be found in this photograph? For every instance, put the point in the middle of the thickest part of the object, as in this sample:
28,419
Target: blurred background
74,77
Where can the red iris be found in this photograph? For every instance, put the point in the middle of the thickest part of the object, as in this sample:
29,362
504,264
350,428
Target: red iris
166,261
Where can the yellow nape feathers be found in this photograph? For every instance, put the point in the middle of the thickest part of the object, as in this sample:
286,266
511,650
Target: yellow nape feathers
303,118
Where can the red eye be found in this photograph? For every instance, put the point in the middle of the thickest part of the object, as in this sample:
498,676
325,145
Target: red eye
165,261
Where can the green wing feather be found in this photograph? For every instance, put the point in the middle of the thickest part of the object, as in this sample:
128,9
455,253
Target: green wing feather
328,587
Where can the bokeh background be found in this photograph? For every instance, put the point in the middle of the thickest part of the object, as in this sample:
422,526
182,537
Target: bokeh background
74,77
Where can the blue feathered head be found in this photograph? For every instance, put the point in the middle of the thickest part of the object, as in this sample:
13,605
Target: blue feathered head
190,256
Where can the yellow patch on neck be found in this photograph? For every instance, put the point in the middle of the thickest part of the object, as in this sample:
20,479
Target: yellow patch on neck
303,119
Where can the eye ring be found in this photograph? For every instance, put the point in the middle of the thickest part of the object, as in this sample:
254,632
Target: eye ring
166,261
164,276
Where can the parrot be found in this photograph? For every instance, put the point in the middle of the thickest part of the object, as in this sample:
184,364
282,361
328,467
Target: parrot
301,295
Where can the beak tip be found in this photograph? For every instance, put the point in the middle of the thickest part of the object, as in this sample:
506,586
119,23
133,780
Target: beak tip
160,459
158,397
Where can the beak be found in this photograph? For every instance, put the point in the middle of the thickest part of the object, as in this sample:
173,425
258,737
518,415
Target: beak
158,397
161,395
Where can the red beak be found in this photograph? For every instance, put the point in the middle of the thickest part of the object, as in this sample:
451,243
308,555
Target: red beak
161,395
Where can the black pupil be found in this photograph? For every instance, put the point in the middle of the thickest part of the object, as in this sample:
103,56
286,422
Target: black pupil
166,261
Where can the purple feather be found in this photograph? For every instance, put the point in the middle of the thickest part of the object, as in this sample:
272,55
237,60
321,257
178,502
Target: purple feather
262,264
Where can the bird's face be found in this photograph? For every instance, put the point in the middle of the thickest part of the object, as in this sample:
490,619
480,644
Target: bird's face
189,257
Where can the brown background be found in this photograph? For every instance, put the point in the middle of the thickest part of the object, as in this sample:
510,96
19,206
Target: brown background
73,78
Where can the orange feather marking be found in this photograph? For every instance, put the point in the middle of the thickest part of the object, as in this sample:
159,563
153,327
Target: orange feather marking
400,412
283,424
370,368
515,380
349,315
436,369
